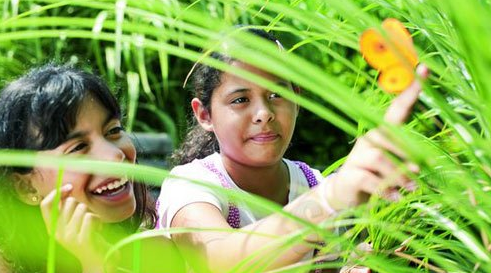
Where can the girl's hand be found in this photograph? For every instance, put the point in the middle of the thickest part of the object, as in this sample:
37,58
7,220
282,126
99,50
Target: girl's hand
368,168
361,249
76,230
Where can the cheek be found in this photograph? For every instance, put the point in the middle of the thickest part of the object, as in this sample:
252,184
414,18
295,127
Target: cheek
230,136
288,115
44,180
78,180
231,128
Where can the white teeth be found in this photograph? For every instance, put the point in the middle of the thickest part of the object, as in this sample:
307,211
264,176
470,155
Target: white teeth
111,186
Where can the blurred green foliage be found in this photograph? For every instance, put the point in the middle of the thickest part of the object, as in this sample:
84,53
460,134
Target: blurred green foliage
163,103
145,49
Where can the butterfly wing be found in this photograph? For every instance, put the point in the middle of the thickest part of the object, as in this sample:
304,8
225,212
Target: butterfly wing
396,78
394,57
376,50
401,39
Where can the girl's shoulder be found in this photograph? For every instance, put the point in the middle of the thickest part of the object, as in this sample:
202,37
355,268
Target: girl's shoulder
300,172
297,164
196,164
196,169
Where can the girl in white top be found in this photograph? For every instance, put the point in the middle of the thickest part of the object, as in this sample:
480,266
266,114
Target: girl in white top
180,193
242,133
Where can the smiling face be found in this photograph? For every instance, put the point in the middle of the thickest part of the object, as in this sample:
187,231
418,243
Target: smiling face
99,136
253,125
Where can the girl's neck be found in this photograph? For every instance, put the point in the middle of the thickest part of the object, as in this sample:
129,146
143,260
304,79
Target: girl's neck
271,182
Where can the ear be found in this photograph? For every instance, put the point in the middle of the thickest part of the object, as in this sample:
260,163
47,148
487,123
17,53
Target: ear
24,189
202,115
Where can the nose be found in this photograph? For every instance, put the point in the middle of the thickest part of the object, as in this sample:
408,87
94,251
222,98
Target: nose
263,112
108,151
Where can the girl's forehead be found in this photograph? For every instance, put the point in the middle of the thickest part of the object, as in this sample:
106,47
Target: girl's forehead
249,68
92,112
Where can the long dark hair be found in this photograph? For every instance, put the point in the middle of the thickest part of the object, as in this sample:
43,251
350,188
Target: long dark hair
199,143
37,111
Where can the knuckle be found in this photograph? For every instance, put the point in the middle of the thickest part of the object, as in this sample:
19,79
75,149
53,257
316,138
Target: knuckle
361,178
81,207
89,216
377,155
373,135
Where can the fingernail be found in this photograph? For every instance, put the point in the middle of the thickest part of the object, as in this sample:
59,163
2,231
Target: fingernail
67,187
413,168
360,270
393,196
422,70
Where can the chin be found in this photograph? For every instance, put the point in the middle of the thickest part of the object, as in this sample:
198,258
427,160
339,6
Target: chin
120,215
267,158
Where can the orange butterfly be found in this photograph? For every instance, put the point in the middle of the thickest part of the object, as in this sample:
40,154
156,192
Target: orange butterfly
395,58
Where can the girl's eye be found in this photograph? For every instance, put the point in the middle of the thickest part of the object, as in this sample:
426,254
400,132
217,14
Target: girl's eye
240,100
115,131
77,148
274,96
285,84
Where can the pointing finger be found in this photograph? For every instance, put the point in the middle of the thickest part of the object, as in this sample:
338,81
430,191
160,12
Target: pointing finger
400,108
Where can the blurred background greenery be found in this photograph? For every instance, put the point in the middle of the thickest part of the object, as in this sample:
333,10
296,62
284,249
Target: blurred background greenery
145,49
149,81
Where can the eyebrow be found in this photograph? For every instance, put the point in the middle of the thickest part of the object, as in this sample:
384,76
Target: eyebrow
79,134
239,90
245,89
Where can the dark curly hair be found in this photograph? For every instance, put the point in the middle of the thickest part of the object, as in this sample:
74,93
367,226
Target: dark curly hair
37,111
199,143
